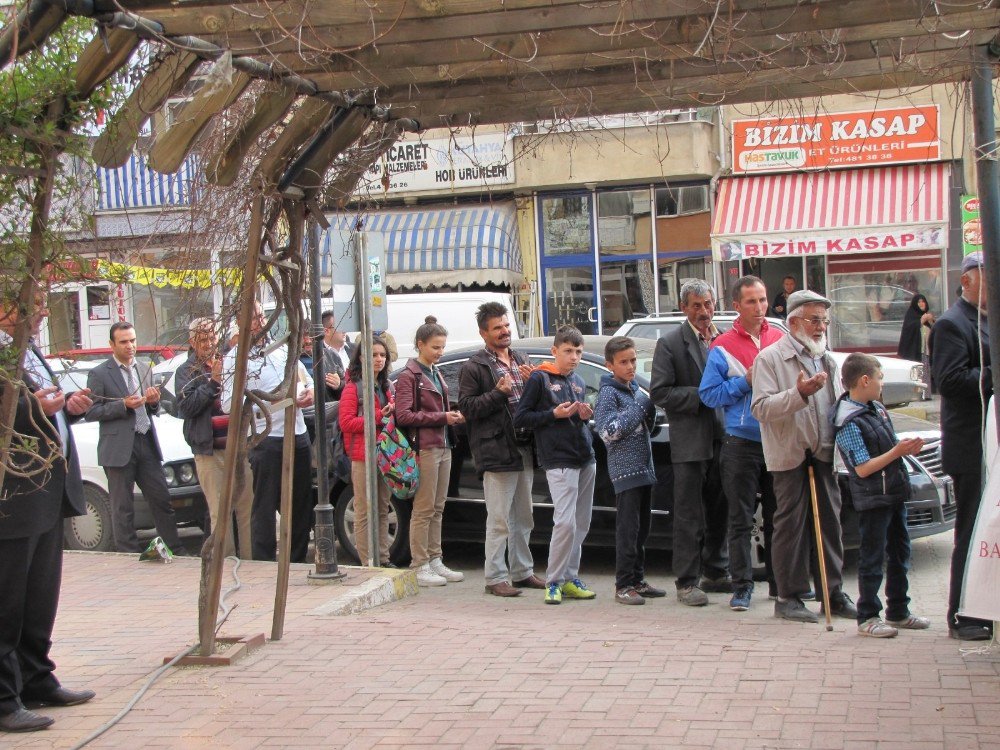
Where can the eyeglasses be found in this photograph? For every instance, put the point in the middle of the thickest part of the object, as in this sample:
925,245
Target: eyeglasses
816,322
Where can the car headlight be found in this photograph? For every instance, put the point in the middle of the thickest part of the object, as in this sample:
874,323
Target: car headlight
186,474
917,374
170,476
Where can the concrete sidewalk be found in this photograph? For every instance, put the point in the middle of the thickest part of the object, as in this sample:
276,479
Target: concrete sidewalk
453,668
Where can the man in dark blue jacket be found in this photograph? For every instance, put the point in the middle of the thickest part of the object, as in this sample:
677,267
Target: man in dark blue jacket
960,368
199,393
31,532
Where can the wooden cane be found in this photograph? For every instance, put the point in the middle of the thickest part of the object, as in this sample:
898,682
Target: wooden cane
819,541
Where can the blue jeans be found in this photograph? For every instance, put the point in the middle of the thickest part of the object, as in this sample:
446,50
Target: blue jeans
884,540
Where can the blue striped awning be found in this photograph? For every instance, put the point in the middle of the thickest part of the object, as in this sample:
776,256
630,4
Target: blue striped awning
136,185
475,244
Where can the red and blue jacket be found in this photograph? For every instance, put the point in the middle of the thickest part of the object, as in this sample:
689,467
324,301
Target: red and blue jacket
724,382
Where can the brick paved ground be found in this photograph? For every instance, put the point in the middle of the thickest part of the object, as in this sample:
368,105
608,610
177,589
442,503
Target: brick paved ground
453,668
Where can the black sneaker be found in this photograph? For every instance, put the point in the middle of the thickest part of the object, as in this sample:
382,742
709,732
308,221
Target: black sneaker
793,609
650,592
629,595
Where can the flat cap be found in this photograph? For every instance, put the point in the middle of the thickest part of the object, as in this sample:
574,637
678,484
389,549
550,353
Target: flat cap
805,297
971,261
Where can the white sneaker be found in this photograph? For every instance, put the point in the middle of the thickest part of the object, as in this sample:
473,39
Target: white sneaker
452,576
427,577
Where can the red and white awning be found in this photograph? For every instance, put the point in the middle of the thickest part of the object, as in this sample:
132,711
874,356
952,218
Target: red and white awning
880,209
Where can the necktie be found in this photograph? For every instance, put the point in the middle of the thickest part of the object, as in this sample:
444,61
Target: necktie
141,417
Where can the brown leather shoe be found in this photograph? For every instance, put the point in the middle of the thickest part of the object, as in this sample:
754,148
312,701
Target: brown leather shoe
531,582
502,589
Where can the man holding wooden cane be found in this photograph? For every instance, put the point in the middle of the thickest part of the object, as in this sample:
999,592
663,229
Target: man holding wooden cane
794,385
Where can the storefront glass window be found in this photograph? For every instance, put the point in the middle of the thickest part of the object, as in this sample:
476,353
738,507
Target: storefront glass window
624,224
868,308
816,274
162,315
566,227
674,272
569,298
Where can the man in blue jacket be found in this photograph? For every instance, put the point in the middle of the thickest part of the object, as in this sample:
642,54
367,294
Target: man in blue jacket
726,384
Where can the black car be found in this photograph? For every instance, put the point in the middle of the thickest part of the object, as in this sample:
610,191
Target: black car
931,510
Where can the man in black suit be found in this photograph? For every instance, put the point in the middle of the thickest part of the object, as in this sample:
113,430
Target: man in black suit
31,533
700,555
127,448
960,368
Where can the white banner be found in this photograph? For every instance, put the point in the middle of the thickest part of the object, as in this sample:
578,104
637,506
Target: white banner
981,590
833,242
441,164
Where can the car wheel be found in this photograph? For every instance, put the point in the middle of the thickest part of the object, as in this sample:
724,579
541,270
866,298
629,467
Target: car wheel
92,532
399,527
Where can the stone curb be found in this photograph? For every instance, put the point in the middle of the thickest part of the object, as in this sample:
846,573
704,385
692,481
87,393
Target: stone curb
387,586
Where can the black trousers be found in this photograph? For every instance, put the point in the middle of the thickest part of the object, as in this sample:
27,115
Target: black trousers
968,493
700,521
265,462
145,469
30,576
744,474
631,529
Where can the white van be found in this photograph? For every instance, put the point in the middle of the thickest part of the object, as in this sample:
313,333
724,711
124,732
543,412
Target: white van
456,311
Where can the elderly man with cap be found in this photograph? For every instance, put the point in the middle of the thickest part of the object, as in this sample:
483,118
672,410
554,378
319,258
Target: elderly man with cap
960,368
794,385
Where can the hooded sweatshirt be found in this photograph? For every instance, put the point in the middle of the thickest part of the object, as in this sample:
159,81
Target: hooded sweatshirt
624,416
724,382
559,443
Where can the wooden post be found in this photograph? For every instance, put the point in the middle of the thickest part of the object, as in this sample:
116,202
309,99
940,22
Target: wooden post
211,568
285,526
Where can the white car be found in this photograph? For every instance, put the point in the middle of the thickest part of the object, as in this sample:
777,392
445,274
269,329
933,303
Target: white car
903,379
93,532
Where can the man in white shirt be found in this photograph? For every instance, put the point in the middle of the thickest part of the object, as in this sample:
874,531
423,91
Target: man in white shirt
265,372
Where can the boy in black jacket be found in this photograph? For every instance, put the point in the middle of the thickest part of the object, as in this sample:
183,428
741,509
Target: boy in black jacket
553,406
880,486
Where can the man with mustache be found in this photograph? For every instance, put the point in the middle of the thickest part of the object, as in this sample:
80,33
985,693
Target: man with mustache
700,556
726,384
795,384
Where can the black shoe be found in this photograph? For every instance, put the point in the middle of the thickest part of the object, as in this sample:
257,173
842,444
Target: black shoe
59,697
649,592
841,606
23,720
970,632
793,609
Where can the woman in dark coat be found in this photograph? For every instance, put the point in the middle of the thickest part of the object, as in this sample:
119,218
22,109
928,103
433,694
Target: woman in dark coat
914,337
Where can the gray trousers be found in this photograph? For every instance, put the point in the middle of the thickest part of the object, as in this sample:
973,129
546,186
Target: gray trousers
509,521
572,493
143,468
792,542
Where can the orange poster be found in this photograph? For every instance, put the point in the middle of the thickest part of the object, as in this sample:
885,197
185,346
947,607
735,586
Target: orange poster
837,140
